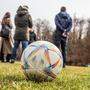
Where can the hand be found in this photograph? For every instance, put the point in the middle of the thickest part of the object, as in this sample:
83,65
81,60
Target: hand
65,34
30,29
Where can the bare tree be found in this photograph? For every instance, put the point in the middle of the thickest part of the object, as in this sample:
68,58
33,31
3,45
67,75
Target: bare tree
43,29
87,44
81,24
46,30
72,43
38,25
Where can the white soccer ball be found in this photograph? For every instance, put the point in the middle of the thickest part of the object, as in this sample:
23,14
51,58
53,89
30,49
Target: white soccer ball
42,60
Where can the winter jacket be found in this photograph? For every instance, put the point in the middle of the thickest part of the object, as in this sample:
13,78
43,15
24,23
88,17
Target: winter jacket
23,22
63,22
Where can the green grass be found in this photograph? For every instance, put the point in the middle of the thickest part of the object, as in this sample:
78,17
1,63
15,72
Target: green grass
71,78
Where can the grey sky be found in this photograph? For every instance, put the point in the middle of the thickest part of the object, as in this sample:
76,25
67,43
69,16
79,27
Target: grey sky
46,9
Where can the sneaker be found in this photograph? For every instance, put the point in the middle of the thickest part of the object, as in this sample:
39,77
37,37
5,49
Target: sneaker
64,65
2,60
12,61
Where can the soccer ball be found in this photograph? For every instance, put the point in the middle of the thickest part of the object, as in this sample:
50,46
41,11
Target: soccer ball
41,60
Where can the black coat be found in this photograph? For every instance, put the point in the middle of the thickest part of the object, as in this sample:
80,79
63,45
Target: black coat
32,37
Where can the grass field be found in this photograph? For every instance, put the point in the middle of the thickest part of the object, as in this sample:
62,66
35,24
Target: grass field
71,78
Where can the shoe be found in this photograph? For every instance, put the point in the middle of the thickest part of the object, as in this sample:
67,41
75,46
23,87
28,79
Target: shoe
2,60
8,58
12,61
64,65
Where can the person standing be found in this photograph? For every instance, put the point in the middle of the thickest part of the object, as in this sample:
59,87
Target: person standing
32,36
6,38
63,23
23,23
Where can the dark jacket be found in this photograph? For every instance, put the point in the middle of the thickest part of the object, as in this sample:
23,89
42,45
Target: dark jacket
23,22
32,37
6,30
63,22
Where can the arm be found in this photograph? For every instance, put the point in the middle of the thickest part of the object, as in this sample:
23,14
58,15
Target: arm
10,26
57,22
70,25
66,32
30,22
15,20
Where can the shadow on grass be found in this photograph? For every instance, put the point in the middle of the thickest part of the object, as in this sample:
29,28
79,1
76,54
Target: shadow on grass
38,78
18,78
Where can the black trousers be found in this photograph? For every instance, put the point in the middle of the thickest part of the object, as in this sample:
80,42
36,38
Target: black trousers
1,57
60,42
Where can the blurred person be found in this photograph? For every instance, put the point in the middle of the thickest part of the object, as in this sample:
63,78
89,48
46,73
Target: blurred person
63,24
23,23
32,36
6,40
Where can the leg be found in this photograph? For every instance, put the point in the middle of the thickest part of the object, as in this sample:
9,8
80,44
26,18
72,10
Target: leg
24,44
1,54
16,45
8,57
2,57
29,42
63,48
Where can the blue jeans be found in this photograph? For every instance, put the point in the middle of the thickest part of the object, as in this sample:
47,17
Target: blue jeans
16,45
